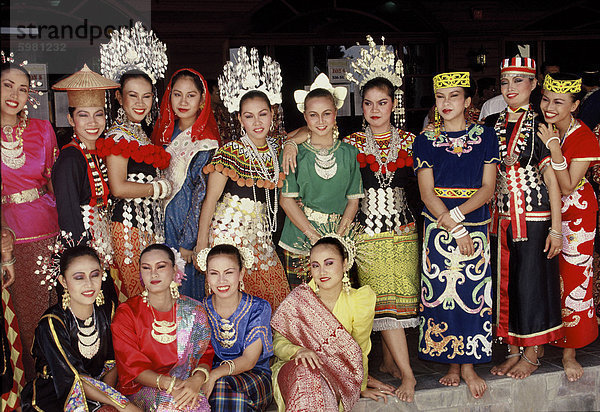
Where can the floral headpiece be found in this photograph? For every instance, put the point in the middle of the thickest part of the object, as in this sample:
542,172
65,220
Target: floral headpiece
322,82
562,86
32,84
245,253
133,49
245,76
50,264
179,265
451,79
380,62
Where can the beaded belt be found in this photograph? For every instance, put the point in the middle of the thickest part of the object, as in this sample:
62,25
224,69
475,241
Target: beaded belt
454,192
318,217
24,196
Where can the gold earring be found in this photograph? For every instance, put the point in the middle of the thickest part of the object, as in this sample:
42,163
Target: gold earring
66,300
209,289
346,282
145,296
316,289
174,289
242,286
100,298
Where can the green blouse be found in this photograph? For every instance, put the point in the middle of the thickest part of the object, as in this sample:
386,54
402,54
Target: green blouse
323,199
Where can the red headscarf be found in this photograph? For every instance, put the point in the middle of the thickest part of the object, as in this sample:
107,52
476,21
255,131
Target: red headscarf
205,126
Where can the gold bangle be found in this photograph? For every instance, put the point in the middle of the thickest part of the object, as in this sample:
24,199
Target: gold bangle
204,371
171,385
231,365
9,262
11,231
158,382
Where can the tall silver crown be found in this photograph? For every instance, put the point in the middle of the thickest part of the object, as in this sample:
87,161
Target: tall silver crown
10,58
245,75
133,49
378,61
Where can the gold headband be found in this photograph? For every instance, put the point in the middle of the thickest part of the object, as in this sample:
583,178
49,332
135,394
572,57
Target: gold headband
451,79
562,86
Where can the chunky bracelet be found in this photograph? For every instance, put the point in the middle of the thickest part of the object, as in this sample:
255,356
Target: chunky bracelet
11,231
231,365
291,143
158,382
155,190
551,139
559,166
204,371
171,385
459,231
457,215
9,262
555,234
164,192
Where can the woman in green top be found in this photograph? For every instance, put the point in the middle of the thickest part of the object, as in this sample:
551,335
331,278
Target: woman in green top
326,180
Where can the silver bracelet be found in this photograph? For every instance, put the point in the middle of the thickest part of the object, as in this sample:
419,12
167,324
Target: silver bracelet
291,142
551,139
155,189
457,215
559,166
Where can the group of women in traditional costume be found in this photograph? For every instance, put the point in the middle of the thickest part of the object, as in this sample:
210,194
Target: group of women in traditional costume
179,230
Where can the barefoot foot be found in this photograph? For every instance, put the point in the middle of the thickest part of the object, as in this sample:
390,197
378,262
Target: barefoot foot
504,367
391,369
452,378
406,391
476,384
528,364
573,369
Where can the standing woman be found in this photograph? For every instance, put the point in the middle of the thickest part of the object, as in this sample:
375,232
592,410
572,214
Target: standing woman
187,127
327,179
133,162
456,169
526,219
73,349
574,148
241,332
241,199
30,222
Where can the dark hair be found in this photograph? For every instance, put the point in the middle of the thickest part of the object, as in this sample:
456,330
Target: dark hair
331,241
228,250
319,93
75,252
485,83
379,83
192,75
547,64
211,84
570,76
254,94
13,66
133,74
162,248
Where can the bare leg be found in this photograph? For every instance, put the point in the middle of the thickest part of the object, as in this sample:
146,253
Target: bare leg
388,365
395,340
511,359
476,384
526,365
573,369
452,378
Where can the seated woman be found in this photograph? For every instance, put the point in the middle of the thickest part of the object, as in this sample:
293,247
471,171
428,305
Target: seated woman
72,348
309,374
241,334
162,339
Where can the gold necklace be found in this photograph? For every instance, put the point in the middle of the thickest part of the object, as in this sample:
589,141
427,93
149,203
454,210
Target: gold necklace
162,329
12,148
88,339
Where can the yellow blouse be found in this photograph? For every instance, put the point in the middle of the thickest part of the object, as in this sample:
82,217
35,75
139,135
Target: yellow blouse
355,311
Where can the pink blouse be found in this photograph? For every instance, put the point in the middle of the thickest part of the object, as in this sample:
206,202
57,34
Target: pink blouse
38,219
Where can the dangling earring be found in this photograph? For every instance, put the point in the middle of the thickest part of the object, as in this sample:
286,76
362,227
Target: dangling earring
242,286
66,300
121,116
272,125
336,133
437,123
365,124
100,298
316,289
346,283
209,290
242,130
149,119
174,289
145,296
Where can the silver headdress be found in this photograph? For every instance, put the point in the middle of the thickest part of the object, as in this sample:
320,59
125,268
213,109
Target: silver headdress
245,253
32,84
245,75
134,49
380,62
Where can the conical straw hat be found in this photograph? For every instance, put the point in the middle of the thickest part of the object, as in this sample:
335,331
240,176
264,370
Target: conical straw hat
85,79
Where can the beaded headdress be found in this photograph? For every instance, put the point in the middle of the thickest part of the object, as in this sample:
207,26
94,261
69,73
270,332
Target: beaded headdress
133,49
451,79
245,253
10,58
85,88
246,75
321,82
562,86
518,66
50,264
380,62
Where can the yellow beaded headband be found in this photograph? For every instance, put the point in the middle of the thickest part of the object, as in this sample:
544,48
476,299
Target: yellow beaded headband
451,79
562,86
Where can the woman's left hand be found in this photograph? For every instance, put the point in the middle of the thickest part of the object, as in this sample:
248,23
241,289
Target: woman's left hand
185,393
375,394
186,255
545,133
208,386
553,246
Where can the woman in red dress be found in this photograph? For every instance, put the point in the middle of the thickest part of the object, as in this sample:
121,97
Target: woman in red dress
574,148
